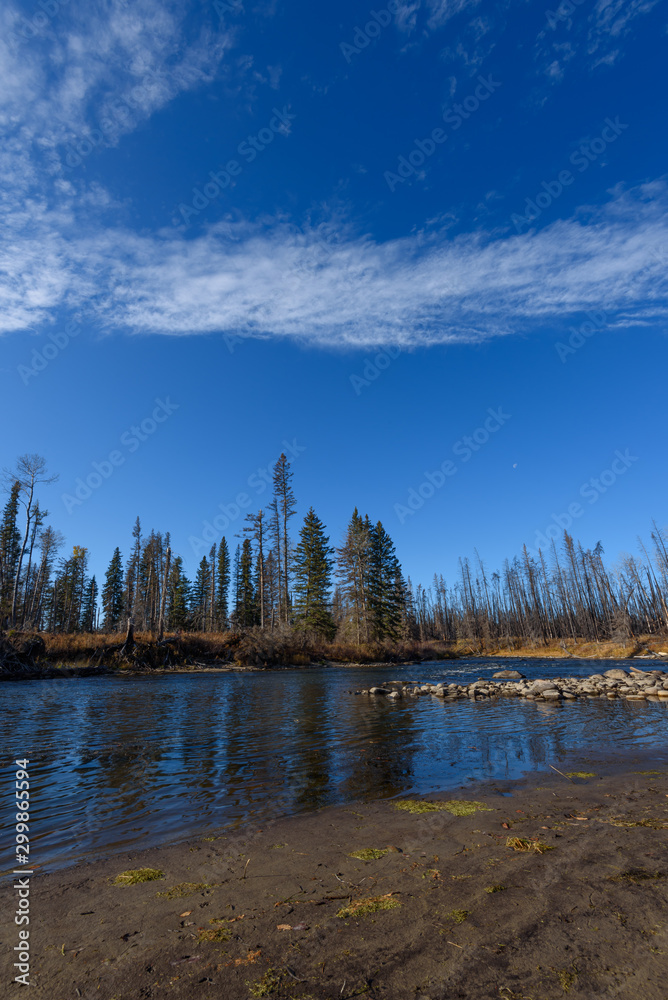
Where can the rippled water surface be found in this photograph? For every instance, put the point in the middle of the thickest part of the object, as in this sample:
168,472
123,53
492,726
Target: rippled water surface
126,762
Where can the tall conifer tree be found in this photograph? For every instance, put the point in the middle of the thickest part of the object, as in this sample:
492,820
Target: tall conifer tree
112,595
222,585
312,578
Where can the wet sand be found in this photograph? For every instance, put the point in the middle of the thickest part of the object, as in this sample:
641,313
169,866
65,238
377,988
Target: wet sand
456,912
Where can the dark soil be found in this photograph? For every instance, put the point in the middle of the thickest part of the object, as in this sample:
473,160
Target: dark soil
253,913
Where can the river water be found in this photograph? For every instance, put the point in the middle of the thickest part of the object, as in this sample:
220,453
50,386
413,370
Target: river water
119,763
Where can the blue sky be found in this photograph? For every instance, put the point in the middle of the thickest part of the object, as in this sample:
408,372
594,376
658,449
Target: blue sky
364,233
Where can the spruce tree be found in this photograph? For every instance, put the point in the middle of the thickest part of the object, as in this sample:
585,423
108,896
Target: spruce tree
385,600
10,547
245,611
200,598
178,597
222,585
353,572
312,579
283,506
89,606
112,595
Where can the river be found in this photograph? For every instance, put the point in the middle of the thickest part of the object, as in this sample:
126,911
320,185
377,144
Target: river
119,763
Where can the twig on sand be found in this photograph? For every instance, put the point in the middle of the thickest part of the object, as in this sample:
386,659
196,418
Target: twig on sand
246,868
456,945
561,773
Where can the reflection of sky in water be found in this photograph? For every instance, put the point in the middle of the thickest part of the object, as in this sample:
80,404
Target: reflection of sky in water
124,762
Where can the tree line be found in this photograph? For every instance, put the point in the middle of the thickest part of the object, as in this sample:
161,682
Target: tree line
355,592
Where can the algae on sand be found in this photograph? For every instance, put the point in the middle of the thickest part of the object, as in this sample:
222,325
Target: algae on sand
263,987
372,904
458,807
580,774
133,876
368,854
218,934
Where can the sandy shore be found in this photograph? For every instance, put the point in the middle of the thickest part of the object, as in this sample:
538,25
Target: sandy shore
456,912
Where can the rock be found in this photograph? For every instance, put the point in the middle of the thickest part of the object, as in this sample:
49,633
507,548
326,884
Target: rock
512,674
377,690
394,695
551,694
539,686
617,674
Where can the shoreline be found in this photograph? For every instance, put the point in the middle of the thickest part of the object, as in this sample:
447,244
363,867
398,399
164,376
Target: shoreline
30,655
50,671
475,917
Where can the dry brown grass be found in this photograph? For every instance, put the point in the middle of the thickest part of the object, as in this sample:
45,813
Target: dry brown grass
287,647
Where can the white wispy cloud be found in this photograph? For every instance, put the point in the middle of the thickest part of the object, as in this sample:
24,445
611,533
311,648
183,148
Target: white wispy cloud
272,280
94,65
595,33
440,11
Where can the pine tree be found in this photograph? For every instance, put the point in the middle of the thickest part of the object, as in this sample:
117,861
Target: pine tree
10,546
132,572
245,611
222,585
353,572
89,606
112,595
312,578
385,608
284,507
200,595
178,597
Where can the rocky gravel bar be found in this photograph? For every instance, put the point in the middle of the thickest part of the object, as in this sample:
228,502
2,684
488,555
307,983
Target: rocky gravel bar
632,685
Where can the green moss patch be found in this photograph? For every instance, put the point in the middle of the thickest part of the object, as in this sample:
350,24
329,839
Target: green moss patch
372,904
495,888
458,916
580,774
566,979
136,875
265,986
458,807
368,854
218,934
461,807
